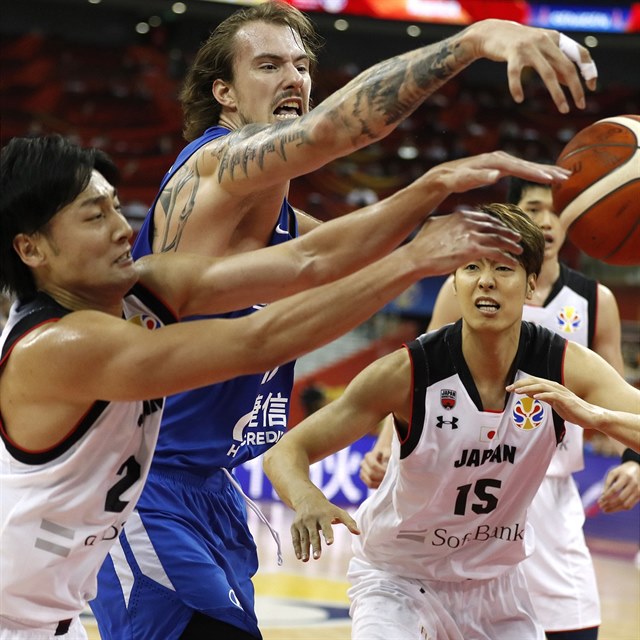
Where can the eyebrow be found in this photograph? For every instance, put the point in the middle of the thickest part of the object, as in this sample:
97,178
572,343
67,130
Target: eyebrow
275,56
99,199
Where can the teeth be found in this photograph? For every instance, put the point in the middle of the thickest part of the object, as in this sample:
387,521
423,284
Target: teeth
487,305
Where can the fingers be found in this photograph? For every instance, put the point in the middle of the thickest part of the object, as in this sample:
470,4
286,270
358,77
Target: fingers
305,532
581,57
554,57
622,488
372,469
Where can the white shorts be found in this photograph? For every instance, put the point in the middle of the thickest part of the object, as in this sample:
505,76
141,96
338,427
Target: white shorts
15,629
385,606
560,573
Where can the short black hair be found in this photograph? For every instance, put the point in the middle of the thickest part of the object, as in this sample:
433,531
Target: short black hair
39,176
517,186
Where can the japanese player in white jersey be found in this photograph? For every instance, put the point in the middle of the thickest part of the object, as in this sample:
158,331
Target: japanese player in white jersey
479,408
560,573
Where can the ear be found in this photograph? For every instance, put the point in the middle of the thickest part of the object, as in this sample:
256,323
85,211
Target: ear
27,246
453,284
531,285
223,93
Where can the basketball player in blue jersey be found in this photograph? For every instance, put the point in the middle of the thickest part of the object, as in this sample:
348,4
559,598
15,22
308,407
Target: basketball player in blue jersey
441,541
86,356
247,117
560,572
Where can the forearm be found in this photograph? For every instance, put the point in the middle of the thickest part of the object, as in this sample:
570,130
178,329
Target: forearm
377,100
193,354
622,426
310,319
287,467
346,244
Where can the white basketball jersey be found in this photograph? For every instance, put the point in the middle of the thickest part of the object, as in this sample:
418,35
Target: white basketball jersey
452,505
61,509
570,310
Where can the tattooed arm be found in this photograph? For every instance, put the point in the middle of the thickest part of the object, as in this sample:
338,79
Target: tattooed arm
378,99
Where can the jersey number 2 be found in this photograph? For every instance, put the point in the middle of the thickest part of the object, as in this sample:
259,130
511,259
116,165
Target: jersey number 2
489,500
131,469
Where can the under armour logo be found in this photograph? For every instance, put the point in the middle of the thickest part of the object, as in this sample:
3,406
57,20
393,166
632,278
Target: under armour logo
453,422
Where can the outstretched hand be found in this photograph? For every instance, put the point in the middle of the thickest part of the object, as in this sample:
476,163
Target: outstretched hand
482,170
565,403
446,242
551,54
316,516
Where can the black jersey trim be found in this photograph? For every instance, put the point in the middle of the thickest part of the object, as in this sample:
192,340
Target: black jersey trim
583,286
419,378
544,358
42,457
44,309
156,305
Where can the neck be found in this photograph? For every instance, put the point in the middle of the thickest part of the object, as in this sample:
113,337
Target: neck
226,120
490,354
549,273
78,302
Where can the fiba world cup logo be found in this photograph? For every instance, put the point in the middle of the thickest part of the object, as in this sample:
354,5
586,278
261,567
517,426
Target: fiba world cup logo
146,321
528,414
569,320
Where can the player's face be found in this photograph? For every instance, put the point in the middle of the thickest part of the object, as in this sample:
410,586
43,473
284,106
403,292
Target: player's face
537,203
86,251
271,75
491,294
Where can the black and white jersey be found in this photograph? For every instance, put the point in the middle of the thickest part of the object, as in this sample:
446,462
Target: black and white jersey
62,508
452,505
569,310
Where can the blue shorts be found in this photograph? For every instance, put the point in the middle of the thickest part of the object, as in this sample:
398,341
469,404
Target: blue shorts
186,548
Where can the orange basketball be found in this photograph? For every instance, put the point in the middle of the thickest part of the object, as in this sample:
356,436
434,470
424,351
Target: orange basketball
600,202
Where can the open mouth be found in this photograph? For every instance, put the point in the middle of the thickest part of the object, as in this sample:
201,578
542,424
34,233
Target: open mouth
487,305
288,109
548,238
125,257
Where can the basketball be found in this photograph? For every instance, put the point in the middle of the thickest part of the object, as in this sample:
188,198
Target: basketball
599,204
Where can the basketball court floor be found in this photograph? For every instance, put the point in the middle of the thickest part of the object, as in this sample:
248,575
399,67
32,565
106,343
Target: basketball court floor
298,601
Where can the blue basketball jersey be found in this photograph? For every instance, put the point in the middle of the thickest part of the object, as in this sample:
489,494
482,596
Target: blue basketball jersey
225,424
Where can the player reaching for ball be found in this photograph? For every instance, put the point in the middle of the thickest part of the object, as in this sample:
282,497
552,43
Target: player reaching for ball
560,571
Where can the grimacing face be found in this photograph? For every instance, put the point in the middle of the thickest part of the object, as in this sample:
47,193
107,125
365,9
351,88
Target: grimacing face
271,76
537,203
84,251
491,295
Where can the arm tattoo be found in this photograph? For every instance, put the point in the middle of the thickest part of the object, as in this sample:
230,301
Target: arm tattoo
185,178
248,149
394,88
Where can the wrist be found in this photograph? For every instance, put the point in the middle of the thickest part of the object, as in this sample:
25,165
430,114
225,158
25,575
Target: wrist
629,455
471,41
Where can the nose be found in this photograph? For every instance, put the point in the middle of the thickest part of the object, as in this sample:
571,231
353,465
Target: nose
545,219
486,279
293,77
122,228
